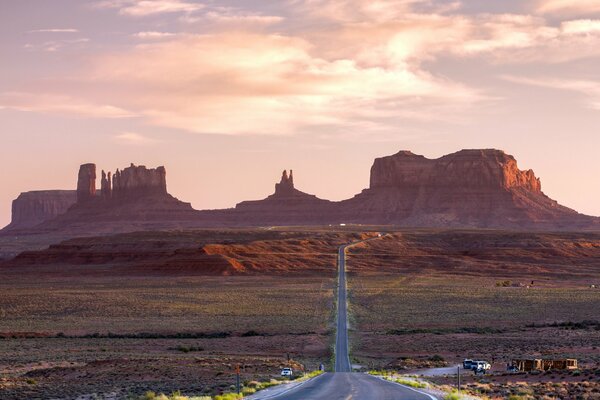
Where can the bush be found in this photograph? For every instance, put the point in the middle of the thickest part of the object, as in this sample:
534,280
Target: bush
453,396
436,358
411,383
228,396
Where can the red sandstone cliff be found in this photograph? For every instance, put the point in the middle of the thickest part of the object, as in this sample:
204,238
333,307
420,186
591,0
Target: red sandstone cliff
32,208
287,204
470,188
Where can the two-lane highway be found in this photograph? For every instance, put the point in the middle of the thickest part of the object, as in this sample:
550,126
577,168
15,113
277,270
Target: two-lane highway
343,384
342,352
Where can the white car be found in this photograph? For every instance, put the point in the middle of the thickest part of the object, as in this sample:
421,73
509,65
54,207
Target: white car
480,366
287,372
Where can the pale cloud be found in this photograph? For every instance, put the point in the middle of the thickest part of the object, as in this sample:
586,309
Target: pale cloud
152,35
237,17
349,64
236,83
589,89
55,45
60,104
568,7
55,30
581,26
143,8
134,138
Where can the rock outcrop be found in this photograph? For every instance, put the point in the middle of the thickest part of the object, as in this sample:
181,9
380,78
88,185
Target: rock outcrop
476,169
135,181
466,189
286,204
470,188
33,208
134,198
86,183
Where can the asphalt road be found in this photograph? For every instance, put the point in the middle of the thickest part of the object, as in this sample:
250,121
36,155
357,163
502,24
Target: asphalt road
342,352
343,384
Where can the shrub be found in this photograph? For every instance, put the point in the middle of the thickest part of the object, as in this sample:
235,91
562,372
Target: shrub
228,396
453,396
436,358
413,384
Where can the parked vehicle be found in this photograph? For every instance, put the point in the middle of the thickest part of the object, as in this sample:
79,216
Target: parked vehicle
480,366
287,372
467,363
512,368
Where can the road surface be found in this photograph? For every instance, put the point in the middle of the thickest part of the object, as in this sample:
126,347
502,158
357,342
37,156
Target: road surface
342,352
343,384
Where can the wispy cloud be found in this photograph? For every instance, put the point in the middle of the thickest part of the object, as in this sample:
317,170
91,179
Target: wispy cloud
569,7
60,104
55,30
153,35
143,8
55,45
587,88
239,17
134,138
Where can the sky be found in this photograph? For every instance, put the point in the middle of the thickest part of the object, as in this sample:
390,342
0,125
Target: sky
227,94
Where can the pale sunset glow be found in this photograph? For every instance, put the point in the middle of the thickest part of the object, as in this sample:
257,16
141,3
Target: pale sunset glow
226,94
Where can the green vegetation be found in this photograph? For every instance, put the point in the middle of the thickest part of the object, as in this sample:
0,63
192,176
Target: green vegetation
248,389
186,349
189,309
175,396
409,382
454,395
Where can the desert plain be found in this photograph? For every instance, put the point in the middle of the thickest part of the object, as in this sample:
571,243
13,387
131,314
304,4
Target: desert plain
119,315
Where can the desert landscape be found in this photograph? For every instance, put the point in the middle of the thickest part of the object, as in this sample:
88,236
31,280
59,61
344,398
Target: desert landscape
172,311
299,200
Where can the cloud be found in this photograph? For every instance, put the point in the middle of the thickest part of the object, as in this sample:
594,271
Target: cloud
60,104
589,89
236,83
238,17
55,45
55,30
134,138
568,7
152,35
143,8
581,26
340,64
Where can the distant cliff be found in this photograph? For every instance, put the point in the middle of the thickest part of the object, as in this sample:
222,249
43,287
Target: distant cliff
469,188
481,188
32,208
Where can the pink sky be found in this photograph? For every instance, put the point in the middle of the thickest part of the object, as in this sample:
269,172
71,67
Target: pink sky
226,94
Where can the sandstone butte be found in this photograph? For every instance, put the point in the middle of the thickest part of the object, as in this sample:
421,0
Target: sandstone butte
466,189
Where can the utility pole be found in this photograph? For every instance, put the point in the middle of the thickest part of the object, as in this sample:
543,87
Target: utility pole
458,378
237,380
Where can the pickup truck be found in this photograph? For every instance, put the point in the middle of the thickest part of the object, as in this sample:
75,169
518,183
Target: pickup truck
480,366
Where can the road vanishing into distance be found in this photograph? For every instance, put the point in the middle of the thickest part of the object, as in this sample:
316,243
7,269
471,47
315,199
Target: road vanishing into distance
343,384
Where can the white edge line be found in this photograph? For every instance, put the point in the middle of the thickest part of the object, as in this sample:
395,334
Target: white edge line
409,388
275,395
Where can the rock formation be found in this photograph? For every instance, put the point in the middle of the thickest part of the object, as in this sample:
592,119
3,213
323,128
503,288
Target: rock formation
286,203
33,208
490,169
139,181
466,189
470,188
86,183
106,186
286,186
